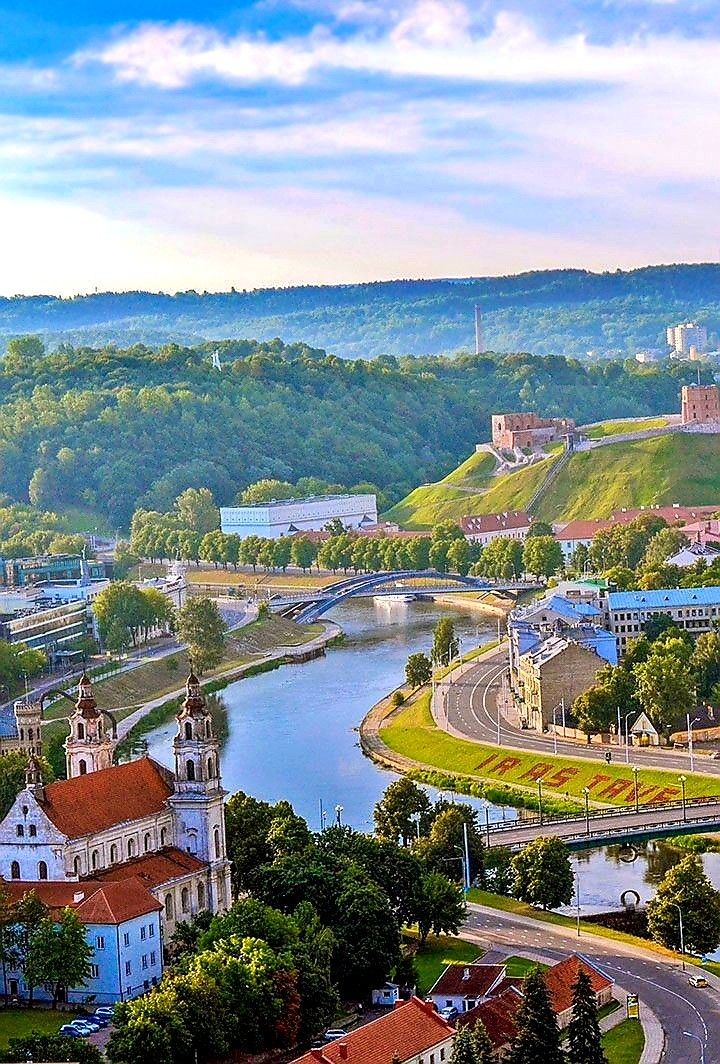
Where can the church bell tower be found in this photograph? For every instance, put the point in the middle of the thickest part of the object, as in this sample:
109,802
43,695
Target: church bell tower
89,747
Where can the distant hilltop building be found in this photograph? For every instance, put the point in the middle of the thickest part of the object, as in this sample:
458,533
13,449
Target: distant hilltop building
528,430
687,338
701,404
288,516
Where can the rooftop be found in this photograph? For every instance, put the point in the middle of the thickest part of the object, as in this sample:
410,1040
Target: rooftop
295,502
498,1015
664,598
467,980
477,524
561,978
152,869
94,903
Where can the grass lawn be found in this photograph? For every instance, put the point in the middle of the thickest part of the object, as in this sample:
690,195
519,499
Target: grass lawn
17,1023
413,732
441,950
519,967
624,1044
261,580
619,428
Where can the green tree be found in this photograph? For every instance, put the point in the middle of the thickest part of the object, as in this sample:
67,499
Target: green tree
543,873
266,490
197,511
665,686
445,642
403,812
542,555
120,606
23,353
595,710
282,552
59,953
440,907
665,542
52,1047
418,670
705,662
444,847
201,627
538,1035
30,913
368,935
584,1036
502,559
686,885
458,557
580,558
471,1045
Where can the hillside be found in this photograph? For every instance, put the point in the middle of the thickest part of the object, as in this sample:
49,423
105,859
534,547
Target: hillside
545,312
666,469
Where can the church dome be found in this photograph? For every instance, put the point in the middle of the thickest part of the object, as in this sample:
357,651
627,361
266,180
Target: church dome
194,704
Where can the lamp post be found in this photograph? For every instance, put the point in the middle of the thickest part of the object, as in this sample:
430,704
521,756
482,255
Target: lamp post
690,740
627,736
635,771
700,1042
682,933
540,807
577,897
487,822
338,815
586,796
682,785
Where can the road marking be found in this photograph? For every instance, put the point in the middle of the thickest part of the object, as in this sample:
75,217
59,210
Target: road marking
665,990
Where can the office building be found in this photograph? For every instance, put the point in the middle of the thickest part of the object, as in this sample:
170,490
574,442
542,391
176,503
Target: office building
286,517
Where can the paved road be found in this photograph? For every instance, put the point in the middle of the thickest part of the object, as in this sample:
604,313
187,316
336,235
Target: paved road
469,710
659,982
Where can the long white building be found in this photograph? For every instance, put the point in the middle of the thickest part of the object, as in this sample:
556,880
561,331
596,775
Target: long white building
287,516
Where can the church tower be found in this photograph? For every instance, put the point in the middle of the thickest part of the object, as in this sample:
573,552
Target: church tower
198,796
28,721
89,747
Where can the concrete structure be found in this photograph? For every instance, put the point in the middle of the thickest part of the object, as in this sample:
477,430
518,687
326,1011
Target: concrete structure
412,1033
686,336
700,404
528,430
553,676
288,516
696,609
484,528
47,628
122,825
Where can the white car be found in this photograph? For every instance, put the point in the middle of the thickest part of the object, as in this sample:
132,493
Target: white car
334,1033
84,1027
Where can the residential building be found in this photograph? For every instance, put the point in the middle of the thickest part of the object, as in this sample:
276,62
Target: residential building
528,430
577,533
561,978
484,528
287,516
576,620
552,677
498,1016
692,554
685,336
463,986
675,514
706,532
114,826
700,404
695,609
412,1033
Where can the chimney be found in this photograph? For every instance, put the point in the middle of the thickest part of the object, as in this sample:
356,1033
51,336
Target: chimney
317,1054
343,1047
78,896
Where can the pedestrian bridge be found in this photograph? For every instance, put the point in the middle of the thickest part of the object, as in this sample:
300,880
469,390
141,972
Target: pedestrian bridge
598,827
308,605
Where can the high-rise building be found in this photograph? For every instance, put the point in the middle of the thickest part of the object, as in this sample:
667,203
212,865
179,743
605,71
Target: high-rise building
685,336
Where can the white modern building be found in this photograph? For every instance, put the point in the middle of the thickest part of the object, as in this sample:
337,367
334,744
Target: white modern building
285,517
695,609
686,336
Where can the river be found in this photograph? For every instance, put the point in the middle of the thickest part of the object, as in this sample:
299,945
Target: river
292,733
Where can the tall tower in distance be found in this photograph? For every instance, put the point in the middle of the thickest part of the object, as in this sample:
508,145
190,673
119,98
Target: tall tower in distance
479,338
88,747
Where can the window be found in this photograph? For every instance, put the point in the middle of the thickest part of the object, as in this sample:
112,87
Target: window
185,899
126,938
168,906
19,831
207,728
146,984
144,960
190,770
76,866
42,870
113,854
82,766
32,830
151,930
146,843
94,971
188,730
143,932
94,859
201,895
131,848
216,836
100,942
14,870
432,1058
210,768
81,730
152,958
163,836
128,968
442,1054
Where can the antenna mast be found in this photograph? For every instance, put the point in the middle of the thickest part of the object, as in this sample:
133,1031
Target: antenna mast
479,338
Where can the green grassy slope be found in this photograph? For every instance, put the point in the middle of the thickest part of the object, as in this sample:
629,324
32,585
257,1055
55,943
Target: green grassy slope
667,469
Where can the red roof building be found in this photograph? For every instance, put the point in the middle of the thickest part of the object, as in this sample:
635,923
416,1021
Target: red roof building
498,1016
561,978
154,869
483,528
411,1032
463,986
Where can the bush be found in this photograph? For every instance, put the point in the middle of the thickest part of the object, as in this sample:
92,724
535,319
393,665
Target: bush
398,698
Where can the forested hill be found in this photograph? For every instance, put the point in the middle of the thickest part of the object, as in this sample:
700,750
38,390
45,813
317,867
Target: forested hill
109,429
565,312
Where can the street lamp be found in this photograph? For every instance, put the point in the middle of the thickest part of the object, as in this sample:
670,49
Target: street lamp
586,796
577,896
540,807
338,815
690,740
682,933
682,784
487,821
635,771
560,705
700,1042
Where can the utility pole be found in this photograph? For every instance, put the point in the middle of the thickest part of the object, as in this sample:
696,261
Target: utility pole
479,338
467,856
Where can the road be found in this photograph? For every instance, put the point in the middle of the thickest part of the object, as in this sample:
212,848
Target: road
659,982
469,710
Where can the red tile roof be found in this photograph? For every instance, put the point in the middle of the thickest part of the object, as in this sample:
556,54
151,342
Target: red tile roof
152,869
672,514
94,903
411,1028
86,805
498,1015
476,524
581,529
467,980
561,978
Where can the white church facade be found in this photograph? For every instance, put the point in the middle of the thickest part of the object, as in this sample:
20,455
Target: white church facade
132,842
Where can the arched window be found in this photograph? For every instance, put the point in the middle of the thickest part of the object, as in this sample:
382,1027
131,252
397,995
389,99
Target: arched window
190,770
81,730
19,831
185,899
94,860
14,870
82,766
210,768
33,831
168,907
42,870
216,836
77,866
146,843
163,836
188,730
131,847
201,895
207,727
30,733
22,735
113,854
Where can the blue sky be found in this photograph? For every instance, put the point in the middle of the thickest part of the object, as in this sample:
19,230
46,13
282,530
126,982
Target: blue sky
161,146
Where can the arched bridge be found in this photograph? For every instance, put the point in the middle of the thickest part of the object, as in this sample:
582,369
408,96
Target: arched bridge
309,605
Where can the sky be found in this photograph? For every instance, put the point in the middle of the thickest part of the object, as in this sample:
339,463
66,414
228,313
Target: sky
279,142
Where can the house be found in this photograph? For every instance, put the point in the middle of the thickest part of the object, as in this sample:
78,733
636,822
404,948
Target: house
122,925
561,978
553,676
463,986
498,1016
643,732
573,618
693,553
574,534
386,996
484,528
412,1033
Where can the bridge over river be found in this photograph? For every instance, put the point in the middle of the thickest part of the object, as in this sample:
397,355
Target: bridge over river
308,605
597,827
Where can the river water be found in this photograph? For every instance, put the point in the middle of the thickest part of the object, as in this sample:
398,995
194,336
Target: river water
292,733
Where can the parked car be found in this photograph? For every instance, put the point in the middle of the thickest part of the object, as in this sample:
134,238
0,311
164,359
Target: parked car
105,1010
69,1031
449,1013
101,1020
84,1027
334,1033
698,980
